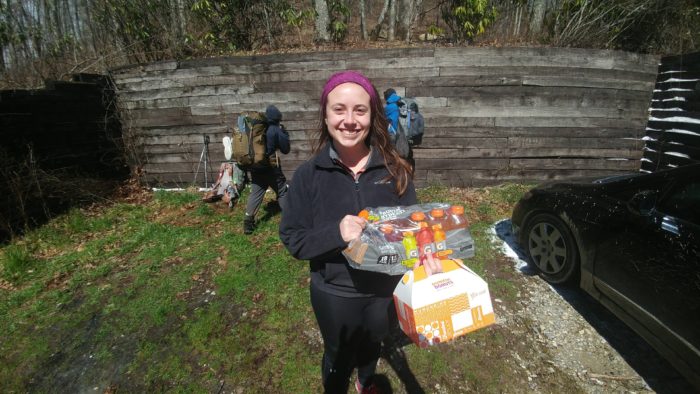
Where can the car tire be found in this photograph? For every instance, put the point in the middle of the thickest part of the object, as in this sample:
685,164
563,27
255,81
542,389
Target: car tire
552,249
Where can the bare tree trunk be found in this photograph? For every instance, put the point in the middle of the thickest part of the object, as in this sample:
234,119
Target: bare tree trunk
77,36
378,28
392,20
537,9
363,20
182,18
408,15
322,21
268,28
518,19
174,24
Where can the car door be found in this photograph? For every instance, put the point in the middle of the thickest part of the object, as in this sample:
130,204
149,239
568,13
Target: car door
650,269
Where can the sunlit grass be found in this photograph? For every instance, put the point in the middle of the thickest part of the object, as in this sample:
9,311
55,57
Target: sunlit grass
173,294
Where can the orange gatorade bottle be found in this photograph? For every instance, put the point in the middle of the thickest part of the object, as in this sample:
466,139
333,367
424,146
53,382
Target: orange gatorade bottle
456,218
439,238
437,216
409,243
425,240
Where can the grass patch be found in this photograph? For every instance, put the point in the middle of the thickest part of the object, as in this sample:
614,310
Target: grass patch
170,295
17,261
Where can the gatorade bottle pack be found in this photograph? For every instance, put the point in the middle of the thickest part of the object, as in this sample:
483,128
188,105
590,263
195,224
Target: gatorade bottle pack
395,238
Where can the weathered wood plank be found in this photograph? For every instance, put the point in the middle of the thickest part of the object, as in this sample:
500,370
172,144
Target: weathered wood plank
545,100
560,57
560,121
186,92
530,112
626,153
574,163
466,132
483,93
282,99
451,76
559,142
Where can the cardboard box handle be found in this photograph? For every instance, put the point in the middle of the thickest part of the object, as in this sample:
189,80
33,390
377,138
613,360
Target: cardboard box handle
419,274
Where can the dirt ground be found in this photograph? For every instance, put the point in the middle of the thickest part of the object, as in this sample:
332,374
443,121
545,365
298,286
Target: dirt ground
585,341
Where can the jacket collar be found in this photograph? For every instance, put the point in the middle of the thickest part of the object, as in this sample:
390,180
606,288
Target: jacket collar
326,158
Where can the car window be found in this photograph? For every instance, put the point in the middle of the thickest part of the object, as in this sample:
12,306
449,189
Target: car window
683,202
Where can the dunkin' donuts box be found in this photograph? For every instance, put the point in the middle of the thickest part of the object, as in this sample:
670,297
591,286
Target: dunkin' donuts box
395,238
443,306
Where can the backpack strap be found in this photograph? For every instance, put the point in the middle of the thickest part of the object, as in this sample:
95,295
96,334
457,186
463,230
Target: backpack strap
241,124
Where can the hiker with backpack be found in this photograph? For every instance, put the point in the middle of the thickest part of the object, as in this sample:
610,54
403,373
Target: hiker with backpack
416,125
354,166
396,112
269,172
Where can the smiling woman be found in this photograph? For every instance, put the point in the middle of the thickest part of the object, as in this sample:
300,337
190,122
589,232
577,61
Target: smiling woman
355,166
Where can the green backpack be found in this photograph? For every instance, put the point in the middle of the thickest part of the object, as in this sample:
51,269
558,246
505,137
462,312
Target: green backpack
249,140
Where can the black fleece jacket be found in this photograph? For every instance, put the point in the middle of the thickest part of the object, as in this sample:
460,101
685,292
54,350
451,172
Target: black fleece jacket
322,192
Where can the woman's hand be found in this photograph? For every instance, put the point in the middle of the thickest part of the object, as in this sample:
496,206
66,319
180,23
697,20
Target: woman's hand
351,227
432,264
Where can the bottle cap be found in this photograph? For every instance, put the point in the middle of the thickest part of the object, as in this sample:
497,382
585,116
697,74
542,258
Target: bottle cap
457,209
437,213
417,216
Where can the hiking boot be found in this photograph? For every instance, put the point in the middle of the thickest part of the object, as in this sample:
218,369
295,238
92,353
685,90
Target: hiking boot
371,389
248,226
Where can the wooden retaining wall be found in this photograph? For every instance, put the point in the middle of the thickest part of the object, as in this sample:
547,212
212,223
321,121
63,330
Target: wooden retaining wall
492,114
673,131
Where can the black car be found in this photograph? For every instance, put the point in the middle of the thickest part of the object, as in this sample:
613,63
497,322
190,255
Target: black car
633,243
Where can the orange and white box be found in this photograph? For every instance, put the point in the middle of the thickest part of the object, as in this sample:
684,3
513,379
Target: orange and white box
443,306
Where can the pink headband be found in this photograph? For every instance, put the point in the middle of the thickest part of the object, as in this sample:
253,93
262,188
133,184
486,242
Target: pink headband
348,76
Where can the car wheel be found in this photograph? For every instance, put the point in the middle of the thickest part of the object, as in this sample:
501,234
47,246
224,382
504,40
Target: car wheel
552,249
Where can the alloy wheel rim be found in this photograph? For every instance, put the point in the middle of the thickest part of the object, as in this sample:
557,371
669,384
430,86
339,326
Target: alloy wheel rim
547,248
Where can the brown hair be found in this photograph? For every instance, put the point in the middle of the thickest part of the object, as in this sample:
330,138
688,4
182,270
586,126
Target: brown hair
378,137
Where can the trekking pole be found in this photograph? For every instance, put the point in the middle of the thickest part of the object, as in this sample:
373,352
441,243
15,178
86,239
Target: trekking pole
204,157
207,163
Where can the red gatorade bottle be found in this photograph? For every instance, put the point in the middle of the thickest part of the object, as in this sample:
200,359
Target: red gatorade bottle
424,238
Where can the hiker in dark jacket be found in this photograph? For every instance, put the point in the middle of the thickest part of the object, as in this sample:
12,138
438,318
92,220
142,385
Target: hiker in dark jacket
269,176
354,166
417,123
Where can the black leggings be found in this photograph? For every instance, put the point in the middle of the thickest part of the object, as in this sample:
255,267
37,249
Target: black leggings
352,330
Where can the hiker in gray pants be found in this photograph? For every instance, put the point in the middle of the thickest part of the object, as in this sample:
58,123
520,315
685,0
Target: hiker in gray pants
262,178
